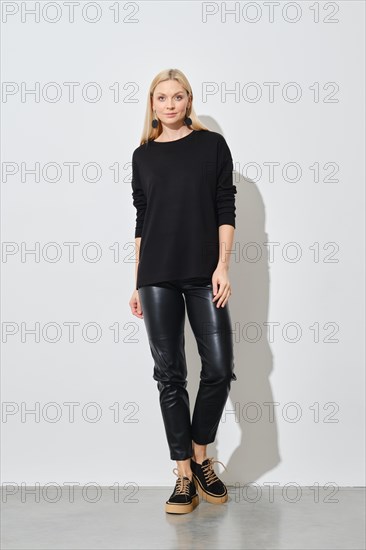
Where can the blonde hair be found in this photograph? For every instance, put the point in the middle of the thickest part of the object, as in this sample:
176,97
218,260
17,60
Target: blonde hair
149,132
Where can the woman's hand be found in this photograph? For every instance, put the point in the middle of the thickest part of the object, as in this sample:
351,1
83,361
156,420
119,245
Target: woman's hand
220,277
135,305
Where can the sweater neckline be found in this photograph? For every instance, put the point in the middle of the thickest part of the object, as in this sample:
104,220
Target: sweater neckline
173,140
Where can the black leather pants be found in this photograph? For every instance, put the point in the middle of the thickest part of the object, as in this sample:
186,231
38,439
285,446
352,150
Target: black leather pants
163,306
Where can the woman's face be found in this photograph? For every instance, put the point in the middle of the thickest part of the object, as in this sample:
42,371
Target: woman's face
170,101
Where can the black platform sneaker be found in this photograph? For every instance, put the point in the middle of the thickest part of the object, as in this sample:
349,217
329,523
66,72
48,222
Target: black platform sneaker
209,486
184,498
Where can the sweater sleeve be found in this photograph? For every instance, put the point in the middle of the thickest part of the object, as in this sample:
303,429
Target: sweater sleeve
138,197
225,190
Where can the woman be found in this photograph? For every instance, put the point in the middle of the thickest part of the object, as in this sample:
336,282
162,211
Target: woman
183,193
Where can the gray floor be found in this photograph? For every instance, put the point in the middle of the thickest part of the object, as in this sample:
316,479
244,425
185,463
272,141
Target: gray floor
135,518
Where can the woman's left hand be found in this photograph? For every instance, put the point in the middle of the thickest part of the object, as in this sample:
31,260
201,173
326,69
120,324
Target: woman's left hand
220,279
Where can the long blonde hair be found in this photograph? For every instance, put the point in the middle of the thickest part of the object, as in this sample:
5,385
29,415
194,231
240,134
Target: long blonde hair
168,74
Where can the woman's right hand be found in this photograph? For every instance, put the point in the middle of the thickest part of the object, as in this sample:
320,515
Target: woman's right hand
135,305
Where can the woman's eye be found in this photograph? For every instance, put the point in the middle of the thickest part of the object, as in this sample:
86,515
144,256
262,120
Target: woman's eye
177,97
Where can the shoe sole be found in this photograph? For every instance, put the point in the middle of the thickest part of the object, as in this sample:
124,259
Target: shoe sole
207,496
172,508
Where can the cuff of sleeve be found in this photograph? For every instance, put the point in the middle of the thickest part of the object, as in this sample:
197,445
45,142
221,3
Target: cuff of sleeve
226,218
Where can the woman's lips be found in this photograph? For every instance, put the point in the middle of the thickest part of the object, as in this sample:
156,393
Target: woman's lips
171,114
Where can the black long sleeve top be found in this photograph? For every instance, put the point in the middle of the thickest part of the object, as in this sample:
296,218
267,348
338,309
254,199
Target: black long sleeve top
182,191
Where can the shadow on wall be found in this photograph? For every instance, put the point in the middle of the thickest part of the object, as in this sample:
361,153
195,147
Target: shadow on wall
251,395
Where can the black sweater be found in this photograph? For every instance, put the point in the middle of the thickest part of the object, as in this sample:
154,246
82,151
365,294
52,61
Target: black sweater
182,191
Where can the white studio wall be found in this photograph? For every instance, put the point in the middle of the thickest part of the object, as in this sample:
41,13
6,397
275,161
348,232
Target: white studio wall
284,83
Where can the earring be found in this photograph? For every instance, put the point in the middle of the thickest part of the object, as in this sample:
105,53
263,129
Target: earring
155,122
187,121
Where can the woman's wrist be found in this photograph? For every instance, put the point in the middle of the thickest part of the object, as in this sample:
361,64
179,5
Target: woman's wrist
224,266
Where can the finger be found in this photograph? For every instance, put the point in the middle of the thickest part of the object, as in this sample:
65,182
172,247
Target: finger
218,295
225,301
223,298
228,295
136,309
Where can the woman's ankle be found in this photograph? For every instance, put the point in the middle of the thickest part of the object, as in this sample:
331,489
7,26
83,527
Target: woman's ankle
185,473
199,459
199,452
184,468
